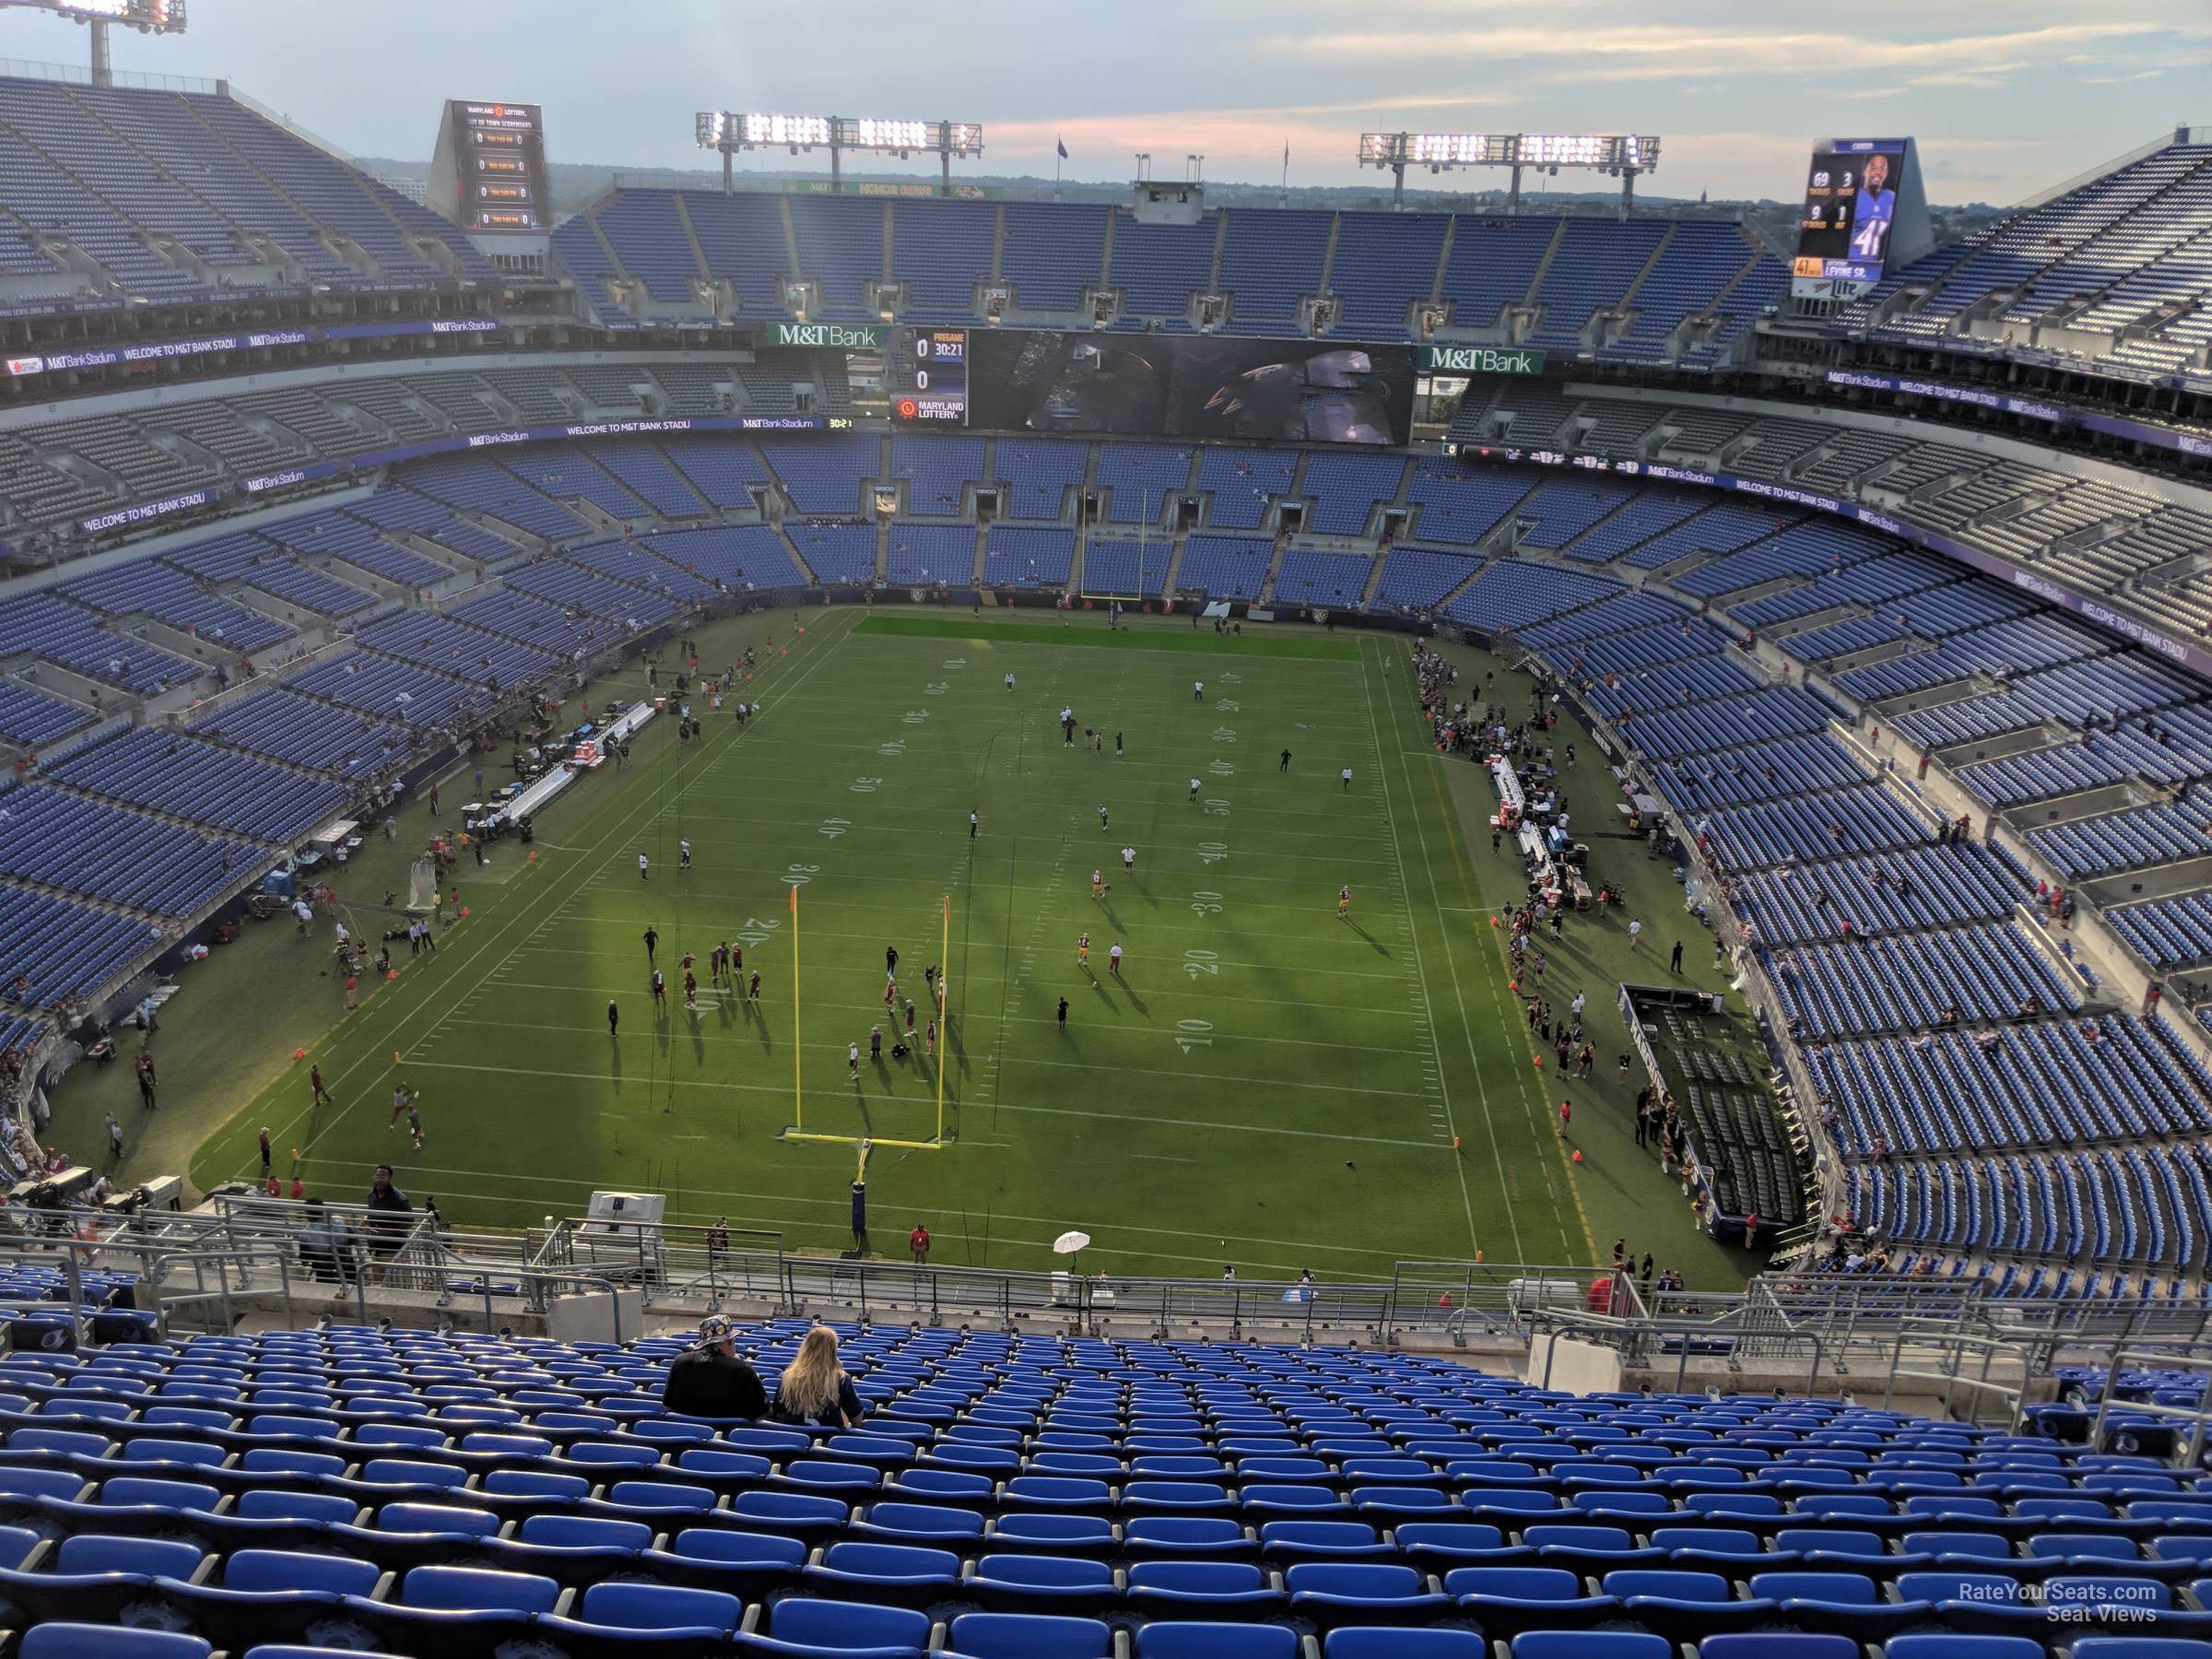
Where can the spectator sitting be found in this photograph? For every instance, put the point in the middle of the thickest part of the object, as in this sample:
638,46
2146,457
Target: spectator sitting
708,1380
816,1389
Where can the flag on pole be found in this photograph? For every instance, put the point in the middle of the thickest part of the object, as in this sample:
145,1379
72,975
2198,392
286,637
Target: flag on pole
1061,145
1286,155
795,900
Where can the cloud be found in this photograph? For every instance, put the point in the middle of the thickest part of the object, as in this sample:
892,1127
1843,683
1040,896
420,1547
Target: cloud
1656,49
2120,80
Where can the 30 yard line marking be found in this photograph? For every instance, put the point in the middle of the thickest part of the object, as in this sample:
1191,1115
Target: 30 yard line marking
1398,856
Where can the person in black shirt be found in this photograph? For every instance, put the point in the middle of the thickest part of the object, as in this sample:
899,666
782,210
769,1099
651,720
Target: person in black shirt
389,1214
708,1380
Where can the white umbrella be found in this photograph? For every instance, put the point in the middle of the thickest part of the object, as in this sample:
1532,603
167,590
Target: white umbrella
1070,1244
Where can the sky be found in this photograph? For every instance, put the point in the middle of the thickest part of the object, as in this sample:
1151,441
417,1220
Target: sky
2006,99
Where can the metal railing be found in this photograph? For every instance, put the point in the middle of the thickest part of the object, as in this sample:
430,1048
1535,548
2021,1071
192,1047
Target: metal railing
81,74
202,1269
2198,1417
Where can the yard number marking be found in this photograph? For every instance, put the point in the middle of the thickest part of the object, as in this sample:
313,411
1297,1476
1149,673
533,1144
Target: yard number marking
1192,1034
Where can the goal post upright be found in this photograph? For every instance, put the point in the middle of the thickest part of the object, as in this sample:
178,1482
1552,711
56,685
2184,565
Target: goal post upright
944,1017
798,1086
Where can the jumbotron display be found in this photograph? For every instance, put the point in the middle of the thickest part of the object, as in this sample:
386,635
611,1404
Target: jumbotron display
1851,198
1308,391
939,394
488,175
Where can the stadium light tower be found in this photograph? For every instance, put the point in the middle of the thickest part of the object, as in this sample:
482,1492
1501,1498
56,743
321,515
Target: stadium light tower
1619,155
730,131
147,16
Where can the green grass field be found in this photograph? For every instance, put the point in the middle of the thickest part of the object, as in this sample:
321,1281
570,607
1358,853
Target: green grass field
1265,1084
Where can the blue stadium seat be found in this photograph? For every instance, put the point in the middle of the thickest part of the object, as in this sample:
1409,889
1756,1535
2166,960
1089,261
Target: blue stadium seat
902,1574
1034,1636
1192,1590
1364,1642
1037,1584
1506,1601
1334,1593
1938,1645
63,1641
1588,1644
809,1624
1173,1639
1180,1536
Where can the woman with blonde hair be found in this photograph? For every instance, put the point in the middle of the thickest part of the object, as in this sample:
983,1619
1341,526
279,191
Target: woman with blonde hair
815,1389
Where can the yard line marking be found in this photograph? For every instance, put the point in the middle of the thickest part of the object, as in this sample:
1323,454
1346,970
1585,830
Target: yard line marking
1117,1117
1154,1071
476,950
1398,856
820,933
1211,996
872,1012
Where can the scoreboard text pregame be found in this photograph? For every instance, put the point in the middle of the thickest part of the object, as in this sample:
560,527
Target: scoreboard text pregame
489,174
940,384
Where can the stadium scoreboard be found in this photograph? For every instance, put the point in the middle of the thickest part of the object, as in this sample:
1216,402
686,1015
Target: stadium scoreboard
1863,210
488,175
939,393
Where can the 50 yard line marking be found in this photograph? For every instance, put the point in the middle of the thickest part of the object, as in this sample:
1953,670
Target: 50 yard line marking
1397,853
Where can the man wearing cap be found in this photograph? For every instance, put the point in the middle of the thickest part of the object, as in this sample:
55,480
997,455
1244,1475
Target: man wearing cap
708,1380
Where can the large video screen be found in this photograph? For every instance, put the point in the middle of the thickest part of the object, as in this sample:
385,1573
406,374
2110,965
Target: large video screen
499,157
1304,391
1850,210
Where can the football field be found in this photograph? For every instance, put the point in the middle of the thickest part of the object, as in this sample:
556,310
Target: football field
1263,1082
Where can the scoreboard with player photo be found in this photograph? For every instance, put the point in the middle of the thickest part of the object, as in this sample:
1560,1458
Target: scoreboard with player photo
1851,209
